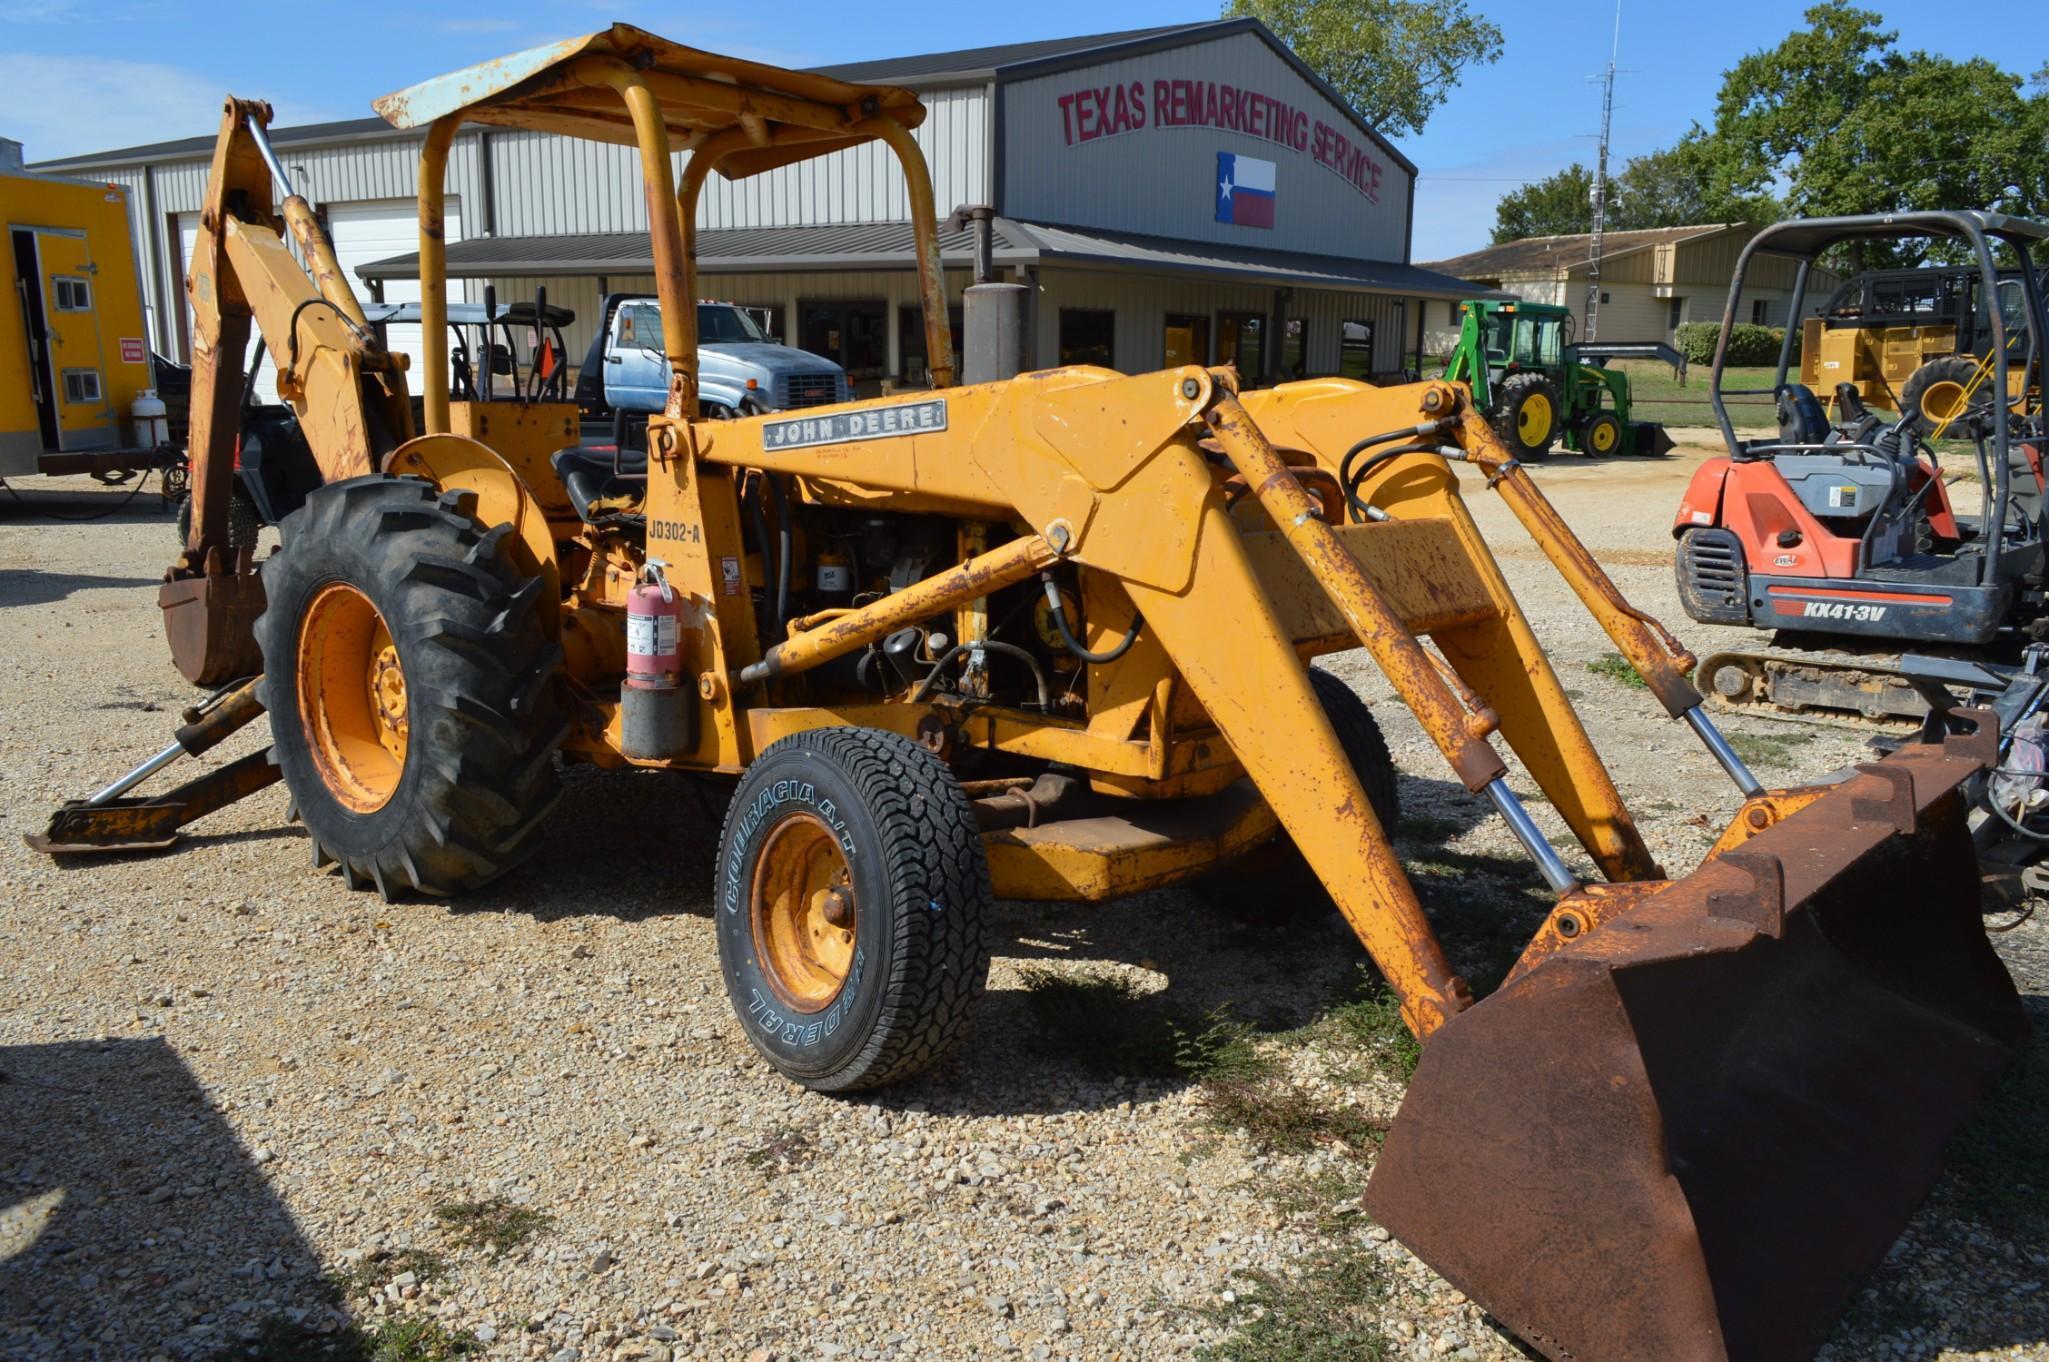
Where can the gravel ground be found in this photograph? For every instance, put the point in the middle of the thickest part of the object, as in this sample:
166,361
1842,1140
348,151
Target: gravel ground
238,1102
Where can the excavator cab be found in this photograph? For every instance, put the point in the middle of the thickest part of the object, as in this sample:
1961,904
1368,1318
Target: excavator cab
1695,1110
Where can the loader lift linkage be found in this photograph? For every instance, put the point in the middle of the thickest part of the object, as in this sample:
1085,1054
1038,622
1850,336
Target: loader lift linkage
858,615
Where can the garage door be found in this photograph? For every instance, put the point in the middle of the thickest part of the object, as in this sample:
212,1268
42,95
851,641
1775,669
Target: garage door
362,232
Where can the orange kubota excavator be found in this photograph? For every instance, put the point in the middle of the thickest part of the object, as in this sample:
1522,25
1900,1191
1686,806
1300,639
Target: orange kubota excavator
1048,636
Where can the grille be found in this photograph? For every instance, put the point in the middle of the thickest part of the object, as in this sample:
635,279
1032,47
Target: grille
810,390
1714,566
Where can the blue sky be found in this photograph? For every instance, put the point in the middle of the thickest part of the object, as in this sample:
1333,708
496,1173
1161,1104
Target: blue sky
87,75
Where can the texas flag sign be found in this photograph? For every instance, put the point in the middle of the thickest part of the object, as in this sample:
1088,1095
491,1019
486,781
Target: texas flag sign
1245,190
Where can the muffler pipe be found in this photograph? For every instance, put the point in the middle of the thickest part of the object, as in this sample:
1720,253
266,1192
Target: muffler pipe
1704,728
1554,870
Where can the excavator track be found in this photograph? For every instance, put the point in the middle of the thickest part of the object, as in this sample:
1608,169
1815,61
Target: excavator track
1817,683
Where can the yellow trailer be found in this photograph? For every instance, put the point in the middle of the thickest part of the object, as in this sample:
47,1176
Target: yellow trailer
73,352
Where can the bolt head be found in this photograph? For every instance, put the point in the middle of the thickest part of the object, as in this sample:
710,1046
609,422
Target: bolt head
1433,399
1759,819
1059,536
1191,389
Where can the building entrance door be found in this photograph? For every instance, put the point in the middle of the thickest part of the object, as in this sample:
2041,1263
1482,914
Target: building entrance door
854,335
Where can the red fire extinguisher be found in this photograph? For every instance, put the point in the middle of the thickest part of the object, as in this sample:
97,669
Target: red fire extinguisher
657,716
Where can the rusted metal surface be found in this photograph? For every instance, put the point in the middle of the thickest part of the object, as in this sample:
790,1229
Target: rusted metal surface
925,228
1682,1135
1458,732
320,259
152,824
1013,562
1657,656
210,622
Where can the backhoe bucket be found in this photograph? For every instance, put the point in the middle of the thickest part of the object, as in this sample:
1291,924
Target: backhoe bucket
1649,438
1684,1135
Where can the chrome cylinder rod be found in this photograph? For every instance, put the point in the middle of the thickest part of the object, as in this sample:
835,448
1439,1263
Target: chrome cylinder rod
1555,872
139,774
1705,729
260,135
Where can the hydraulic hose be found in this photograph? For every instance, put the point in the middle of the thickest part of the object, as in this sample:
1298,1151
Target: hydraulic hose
1073,644
1007,649
782,554
755,514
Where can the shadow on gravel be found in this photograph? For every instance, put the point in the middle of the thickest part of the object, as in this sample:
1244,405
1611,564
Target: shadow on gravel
132,1220
115,506
32,586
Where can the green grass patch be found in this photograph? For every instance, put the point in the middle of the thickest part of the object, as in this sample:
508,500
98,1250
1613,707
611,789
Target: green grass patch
380,1269
1374,1025
496,1225
1769,749
408,1339
1656,395
1616,668
1323,1314
1113,1028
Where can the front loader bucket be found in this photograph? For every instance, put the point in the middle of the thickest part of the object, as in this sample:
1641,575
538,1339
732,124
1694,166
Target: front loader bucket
1685,1134
1649,438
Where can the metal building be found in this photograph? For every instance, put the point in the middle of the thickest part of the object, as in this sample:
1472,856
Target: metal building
1184,194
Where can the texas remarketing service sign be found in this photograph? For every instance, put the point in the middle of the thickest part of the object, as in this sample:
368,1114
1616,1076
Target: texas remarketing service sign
1245,190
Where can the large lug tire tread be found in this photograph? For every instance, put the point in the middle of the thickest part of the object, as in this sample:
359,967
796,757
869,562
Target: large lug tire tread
921,883
483,726
1509,397
1957,369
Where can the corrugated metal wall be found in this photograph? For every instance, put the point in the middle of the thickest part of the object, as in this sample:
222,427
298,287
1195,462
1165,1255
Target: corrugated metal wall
1162,179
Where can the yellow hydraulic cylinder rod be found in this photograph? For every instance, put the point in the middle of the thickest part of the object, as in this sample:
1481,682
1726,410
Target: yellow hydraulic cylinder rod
1013,562
1459,733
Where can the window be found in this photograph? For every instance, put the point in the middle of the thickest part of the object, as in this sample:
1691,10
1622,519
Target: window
81,386
1241,340
910,328
1451,313
1678,314
720,324
1294,353
1605,299
1355,350
1087,336
853,335
69,294
1759,311
1187,340
640,325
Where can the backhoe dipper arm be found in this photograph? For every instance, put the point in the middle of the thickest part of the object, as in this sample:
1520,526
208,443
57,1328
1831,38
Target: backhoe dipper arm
349,395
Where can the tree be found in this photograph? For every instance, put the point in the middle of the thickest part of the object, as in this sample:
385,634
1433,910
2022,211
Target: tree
1557,205
1394,61
1846,123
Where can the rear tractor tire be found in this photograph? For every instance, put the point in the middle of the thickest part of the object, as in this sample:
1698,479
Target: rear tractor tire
410,687
1526,409
851,894
1937,389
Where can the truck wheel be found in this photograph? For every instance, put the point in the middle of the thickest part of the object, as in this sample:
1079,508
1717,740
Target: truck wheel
850,891
1276,872
1601,435
1936,390
409,687
1526,415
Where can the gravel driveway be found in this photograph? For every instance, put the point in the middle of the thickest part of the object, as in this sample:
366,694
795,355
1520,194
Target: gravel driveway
245,1112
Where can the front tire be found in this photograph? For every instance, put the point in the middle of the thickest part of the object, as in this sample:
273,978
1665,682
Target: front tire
851,894
1526,410
1939,386
409,684
1601,436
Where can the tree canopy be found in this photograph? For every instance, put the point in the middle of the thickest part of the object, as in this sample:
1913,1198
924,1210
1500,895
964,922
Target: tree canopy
1394,61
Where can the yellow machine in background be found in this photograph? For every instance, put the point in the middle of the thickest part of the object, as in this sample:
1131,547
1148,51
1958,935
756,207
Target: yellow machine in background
1047,637
74,353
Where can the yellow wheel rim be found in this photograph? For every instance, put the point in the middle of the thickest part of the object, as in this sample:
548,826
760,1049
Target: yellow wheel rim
1603,439
802,907
1533,419
1943,402
352,698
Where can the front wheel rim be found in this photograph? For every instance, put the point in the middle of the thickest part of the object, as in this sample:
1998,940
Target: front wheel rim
1604,437
801,908
1533,421
352,698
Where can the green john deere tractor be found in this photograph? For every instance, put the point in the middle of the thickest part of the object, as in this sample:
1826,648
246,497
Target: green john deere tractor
1536,384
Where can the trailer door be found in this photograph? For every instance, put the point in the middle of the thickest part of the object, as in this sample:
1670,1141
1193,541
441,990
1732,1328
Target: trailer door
86,418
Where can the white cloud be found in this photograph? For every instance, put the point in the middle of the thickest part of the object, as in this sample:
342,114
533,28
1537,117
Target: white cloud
69,106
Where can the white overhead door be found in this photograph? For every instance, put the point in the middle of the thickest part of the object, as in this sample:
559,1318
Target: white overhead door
188,235
364,232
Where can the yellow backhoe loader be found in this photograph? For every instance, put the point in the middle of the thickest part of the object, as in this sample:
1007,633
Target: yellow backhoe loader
1049,638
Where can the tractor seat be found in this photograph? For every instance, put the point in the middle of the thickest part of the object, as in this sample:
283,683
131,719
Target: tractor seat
596,487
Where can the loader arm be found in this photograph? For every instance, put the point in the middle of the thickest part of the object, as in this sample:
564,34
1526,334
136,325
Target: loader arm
348,393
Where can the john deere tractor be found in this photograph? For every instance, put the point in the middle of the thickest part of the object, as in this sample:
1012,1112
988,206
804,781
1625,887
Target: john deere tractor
1536,384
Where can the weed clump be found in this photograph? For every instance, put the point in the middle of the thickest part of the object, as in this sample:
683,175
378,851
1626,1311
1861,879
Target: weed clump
496,1225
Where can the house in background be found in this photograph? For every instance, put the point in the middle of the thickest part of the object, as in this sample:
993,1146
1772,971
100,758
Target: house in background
1653,280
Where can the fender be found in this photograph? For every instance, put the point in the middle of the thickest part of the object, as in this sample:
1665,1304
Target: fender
1702,504
455,462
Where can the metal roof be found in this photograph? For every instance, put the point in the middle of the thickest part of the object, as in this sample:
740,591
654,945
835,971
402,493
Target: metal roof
888,245
986,61
1554,255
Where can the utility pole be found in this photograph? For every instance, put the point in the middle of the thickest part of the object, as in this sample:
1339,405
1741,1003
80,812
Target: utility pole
1600,196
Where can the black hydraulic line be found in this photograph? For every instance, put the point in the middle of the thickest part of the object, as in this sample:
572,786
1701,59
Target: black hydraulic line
783,533
1352,477
754,513
1073,644
1007,649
